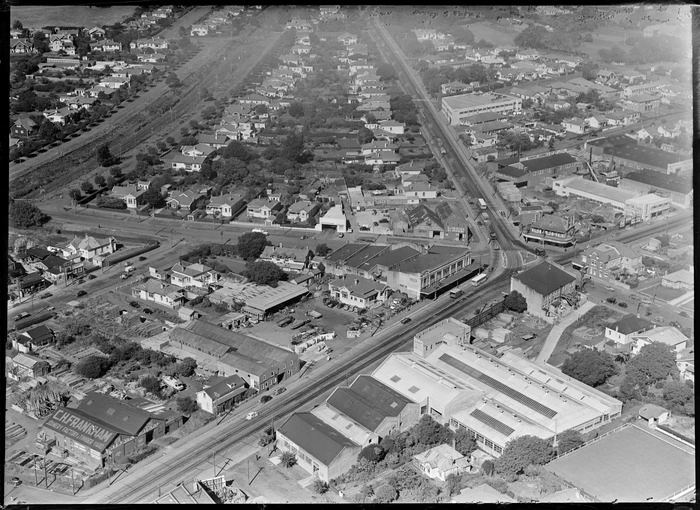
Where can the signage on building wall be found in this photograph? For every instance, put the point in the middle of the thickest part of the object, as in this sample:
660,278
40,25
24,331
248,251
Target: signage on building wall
80,429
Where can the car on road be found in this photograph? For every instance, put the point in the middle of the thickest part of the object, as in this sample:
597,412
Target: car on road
622,304
125,276
81,293
675,324
251,415
260,231
405,320
611,300
683,313
147,310
659,320
610,289
265,399
304,237
45,295
91,277
134,304
280,390
80,282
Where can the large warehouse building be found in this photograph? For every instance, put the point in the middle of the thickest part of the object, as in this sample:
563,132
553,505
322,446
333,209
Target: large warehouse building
458,108
494,399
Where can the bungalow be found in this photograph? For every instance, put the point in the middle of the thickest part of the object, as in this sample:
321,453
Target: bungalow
58,116
114,82
574,125
152,57
262,208
254,99
130,194
184,200
358,292
109,46
25,365
441,461
622,331
653,414
188,163
201,149
347,39
527,55
197,275
215,141
226,206
21,46
38,336
597,121
302,210
154,44
90,247
667,335
96,33
23,127
159,292
392,126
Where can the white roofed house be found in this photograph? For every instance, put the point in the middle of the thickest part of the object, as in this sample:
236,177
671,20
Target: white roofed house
441,461
358,292
154,43
160,293
226,206
109,46
262,208
184,274
667,335
89,247
130,194
188,163
302,210
114,82
199,30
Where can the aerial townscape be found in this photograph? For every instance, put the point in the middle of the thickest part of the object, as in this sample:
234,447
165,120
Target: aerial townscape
350,254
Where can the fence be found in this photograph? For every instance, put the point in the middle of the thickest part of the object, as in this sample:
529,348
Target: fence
485,315
35,477
591,441
129,254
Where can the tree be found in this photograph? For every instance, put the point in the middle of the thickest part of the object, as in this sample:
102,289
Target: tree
17,25
516,302
100,180
429,432
386,72
288,459
170,141
385,494
655,362
87,187
263,272
75,194
153,197
364,135
187,405
251,245
319,486
25,215
589,70
104,156
568,440
464,443
520,452
487,467
678,395
590,366
453,484
92,367
296,109
186,367
322,250
150,384
373,453
322,269
110,203
115,171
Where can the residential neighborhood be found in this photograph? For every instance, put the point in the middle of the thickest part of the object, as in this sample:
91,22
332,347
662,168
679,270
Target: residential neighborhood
350,254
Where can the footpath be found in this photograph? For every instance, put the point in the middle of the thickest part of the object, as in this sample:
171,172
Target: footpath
553,338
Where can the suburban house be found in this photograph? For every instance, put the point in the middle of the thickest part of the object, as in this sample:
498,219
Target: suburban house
130,194
263,208
541,286
667,335
357,292
154,44
441,461
26,365
89,247
607,260
302,210
160,293
58,116
226,206
38,336
185,200
575,125
23,127
622,331
653,414
197,275
221,396
320,449
188,163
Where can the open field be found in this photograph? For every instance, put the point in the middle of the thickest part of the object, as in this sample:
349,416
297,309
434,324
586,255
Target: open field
37,16
500,34
630,465
663,293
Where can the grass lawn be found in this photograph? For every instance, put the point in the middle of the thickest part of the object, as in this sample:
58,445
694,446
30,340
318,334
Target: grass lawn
498,34
631,465
663,293
598,316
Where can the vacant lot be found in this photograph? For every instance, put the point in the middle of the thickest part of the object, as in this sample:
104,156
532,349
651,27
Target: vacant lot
498,34
37,16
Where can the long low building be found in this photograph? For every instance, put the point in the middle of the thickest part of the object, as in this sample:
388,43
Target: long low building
678,188
458,108
494,399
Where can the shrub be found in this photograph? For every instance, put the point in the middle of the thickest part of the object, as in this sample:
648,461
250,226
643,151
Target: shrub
385,494
151,384
92,367
373,453
499,484
288,459
487,467
320,487
186,367
187,405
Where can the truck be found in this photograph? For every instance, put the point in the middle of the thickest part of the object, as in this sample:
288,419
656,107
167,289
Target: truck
129,269
455,293
482,204
285,321
173,383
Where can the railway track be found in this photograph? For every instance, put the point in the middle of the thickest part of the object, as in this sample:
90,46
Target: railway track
173,471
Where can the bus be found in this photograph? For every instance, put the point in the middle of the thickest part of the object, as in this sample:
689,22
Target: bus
455,293
482,204
478,280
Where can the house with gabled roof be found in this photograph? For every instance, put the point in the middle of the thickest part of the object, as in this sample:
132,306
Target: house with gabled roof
89,247
541,285
184,200
441,461
358,292
187,163
667,335
184,274
130,194
263,208
302,210
26,365
23,127
622,331
320,449
227,206
221,396
552,231
159,292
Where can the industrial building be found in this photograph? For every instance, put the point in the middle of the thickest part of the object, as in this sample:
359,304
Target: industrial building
678,188
494,399
458,108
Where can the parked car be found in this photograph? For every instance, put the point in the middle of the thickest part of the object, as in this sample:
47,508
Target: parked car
659,320
341,235
134,304
147,310
45,295
682,313
304,237
611,300
265,398
405,320
251,415
675,324
280,390
20,316
622,304
91,277
81,293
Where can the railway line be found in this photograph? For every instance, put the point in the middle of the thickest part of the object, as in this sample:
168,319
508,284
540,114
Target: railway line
174,470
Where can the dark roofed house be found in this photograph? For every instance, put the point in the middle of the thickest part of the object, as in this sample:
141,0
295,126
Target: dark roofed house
541,285
38,336
320,449
622,331
375,406
221,396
